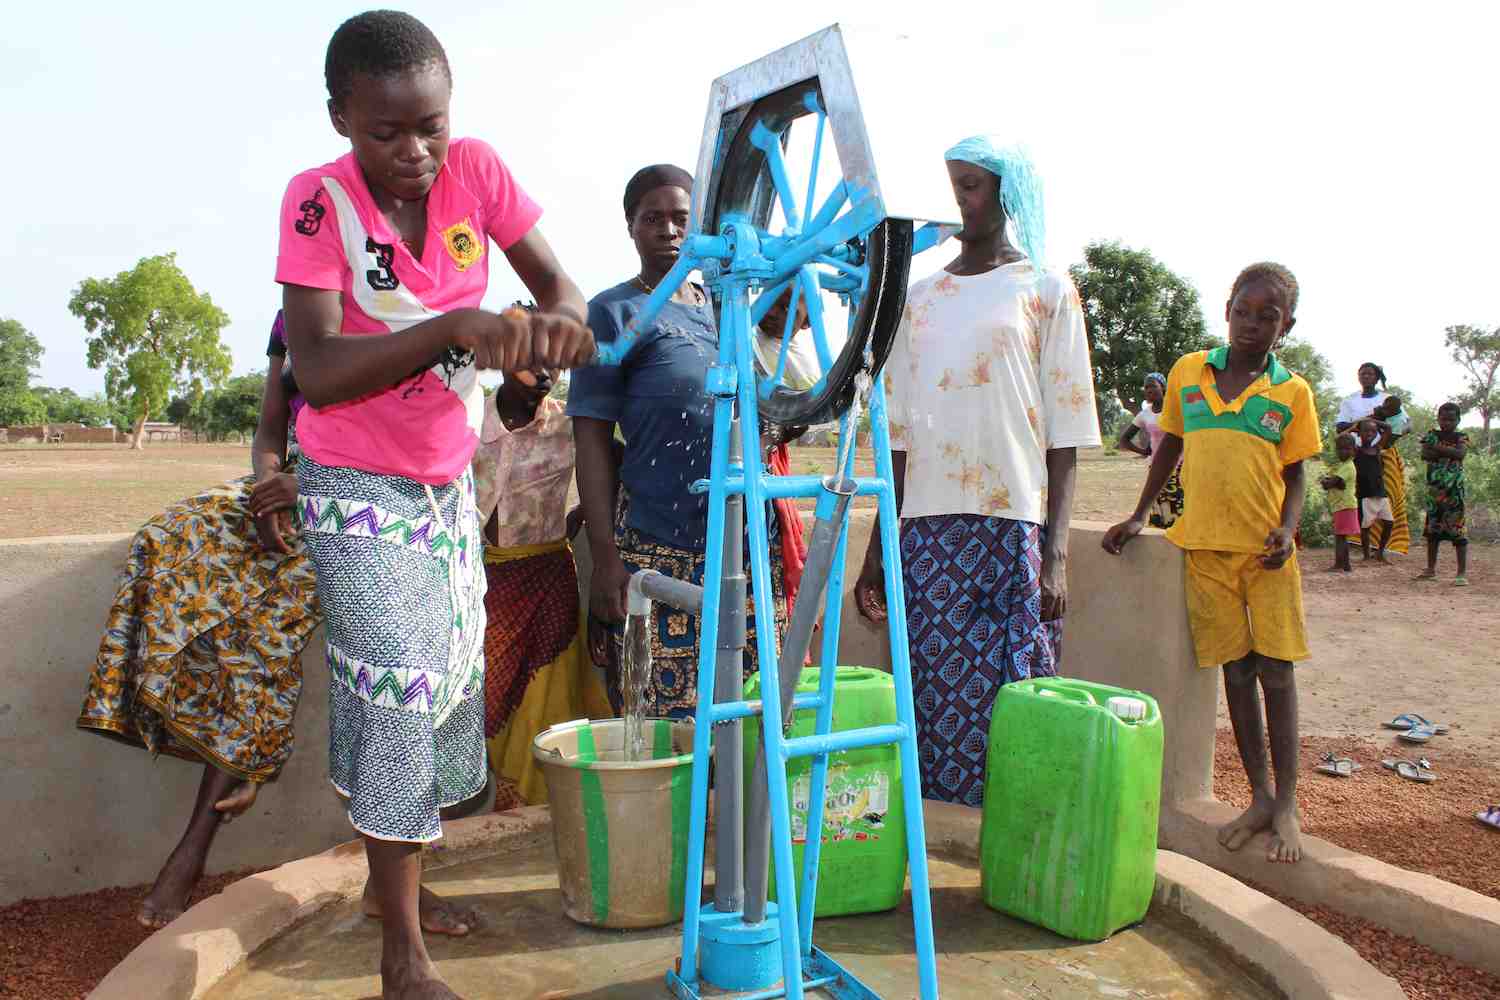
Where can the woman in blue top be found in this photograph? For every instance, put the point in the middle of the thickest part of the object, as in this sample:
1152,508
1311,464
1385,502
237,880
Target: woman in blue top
655,397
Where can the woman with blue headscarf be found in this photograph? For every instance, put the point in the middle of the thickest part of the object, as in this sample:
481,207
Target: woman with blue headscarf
990,394
1168,506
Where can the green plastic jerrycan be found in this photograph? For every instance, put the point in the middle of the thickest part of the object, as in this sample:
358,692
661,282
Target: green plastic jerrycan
862,864
1072,793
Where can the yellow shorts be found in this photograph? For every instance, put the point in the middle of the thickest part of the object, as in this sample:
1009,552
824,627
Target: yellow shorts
1235,605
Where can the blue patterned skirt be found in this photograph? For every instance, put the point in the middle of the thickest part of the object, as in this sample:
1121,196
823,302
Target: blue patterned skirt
973,617
401,581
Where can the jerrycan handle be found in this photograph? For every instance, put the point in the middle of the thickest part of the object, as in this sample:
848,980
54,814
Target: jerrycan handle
1059,689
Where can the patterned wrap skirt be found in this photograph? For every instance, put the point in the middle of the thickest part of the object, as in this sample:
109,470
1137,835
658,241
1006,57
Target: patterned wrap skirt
401,583
1167,507
973,617
672,688
201,652
537,671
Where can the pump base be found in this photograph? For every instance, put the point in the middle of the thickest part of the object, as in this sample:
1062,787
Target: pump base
820,973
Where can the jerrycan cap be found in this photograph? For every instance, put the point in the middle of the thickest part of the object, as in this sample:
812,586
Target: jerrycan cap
1128,709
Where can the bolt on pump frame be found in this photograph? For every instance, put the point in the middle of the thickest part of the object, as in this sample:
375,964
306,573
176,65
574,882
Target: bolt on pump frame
856,245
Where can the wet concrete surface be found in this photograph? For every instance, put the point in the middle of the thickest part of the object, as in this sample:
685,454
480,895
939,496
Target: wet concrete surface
527,949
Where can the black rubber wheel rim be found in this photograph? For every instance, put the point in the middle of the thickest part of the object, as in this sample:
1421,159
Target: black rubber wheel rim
741,184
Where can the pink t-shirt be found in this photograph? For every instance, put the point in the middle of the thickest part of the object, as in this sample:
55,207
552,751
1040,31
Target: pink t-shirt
426,425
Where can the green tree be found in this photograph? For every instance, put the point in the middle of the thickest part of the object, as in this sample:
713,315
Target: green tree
1141,318
1477,352
235,407
1112,418
1303,358
64,406
20,408
20,354
151,332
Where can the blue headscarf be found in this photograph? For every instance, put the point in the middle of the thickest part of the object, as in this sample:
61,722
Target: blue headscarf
1020,189
1158,378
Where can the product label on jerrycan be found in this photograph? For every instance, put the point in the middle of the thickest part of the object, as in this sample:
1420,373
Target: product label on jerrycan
854,807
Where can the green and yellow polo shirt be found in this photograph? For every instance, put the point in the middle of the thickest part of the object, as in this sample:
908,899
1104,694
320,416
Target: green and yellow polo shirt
1233,453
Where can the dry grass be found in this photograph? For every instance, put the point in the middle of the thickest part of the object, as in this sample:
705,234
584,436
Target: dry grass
99,489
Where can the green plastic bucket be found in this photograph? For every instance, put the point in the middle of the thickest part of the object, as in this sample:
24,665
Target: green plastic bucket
620,827
862,864
1072,794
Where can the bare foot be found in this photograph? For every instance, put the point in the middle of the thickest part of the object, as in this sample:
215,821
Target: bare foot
1426,574
1334,568
236,802
438,916
1286,836
169,895
414,983
1234,835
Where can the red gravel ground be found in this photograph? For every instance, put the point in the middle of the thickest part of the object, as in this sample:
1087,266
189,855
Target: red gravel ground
59,949
1426,828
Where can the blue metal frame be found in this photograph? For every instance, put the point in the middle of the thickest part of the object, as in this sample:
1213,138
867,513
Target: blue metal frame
737,262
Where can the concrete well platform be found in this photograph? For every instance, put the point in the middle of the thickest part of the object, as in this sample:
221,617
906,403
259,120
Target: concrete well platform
529,949
296,931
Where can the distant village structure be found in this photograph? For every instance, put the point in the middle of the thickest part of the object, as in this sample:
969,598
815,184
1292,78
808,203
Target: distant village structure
74,433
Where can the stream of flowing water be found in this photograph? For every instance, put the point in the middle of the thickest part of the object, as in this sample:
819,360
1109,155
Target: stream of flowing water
635,669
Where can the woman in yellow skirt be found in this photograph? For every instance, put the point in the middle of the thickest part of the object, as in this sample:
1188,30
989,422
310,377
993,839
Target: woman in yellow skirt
537,670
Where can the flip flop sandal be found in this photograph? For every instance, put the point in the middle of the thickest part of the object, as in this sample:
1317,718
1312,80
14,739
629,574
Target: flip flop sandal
1339,767
1408,720
1417,734
1420,772
1489,817
1461,581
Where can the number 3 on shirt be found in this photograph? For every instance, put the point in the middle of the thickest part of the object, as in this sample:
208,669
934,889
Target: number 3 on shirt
380,277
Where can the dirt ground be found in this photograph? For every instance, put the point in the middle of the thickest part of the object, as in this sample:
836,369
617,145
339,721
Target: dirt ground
100,489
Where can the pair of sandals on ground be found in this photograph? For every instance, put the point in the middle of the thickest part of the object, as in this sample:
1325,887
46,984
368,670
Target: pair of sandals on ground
1412,728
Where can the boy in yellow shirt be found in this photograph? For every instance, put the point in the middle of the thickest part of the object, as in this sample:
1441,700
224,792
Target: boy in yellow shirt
1243,425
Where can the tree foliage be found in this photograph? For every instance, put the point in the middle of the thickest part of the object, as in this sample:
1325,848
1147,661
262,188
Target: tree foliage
1477,352
20,354
20,408
1299,356
151,332
236,407
1141,317
64,406
217,413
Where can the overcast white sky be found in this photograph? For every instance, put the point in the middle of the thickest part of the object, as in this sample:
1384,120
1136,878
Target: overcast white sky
1354,142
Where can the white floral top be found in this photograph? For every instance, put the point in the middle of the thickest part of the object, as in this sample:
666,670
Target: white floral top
524,475
987,373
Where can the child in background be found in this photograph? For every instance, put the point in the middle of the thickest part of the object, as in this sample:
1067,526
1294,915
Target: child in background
1146,423
536,670
1343,506
800,371
1444,450
1369,477
1390,411
1245,425
1168,506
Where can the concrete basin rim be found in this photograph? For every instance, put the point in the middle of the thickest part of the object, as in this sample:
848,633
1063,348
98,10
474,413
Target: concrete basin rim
174,957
